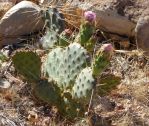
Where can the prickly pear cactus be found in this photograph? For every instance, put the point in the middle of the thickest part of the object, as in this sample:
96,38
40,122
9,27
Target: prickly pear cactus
84,83
81,91
65,37
64,64
51,66
86,31
53,19
54,23
28,64
90,45
49,40
73,108
100,64
102,59
49,93
70,80
76,103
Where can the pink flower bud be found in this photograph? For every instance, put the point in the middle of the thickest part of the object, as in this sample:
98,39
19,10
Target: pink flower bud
107,48
90,16
68,31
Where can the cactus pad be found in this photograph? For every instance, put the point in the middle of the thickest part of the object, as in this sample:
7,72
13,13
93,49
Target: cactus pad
73,109
100,64
49,93
49,40
63,65
28,64
52,64
65,37
55,24
102,58
53,19
86,31
84,84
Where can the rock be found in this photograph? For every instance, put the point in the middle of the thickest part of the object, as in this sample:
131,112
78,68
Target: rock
4,85
142,32
110,21
35,1
20,20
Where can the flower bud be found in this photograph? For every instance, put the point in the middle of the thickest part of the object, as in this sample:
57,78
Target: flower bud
90,16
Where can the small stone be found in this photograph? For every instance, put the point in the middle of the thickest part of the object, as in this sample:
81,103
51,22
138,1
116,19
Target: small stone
4,85
32,117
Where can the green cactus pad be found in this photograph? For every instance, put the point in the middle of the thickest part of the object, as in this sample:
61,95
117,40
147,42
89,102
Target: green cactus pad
54,19
84,84
102,59
50,39
90,45
64,64
100,63
86,31
52,64
55,24
86,36
64,39
49,93
73,109
28,64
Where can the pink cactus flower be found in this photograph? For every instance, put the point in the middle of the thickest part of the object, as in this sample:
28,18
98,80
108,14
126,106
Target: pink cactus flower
90,16
108,50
